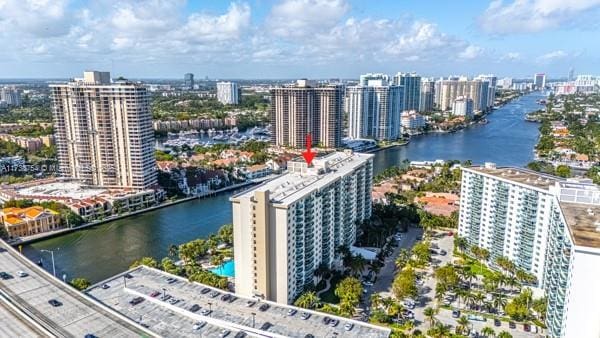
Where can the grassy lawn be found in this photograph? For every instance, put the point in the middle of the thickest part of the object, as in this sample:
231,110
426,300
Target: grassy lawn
329,295
478,268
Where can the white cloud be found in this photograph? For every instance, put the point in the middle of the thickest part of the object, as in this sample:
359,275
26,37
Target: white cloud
553,56
511,56
471,52
38,18
523,16
298,18
206,28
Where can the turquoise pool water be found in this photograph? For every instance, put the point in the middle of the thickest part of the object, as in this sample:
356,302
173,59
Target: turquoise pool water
226,269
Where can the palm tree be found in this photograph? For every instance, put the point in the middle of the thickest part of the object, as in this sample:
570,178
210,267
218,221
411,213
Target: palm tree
376,300
469,299
504,334
479,298
308,300
461,243
499,300
173,250
402,259
460,295
487,331
409,326
430,313
462,325
321,271
387,303
439,331
468,275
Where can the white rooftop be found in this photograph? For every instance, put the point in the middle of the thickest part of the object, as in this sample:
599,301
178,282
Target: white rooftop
301,180
70,189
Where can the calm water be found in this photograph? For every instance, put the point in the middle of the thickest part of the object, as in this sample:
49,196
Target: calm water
102,251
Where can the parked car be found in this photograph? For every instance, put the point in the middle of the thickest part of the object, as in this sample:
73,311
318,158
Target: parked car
291,312
205,291
205,312
214,294
305,316
512,325
128,276
309,336
5,275
497,322
526,327
333,322
154,294
136,300
22,274
54,303
199,325
105,286
455,313
476,317
443,252
195,308
348,326
266,326
240,334
225,297
232,299
165,297
326,320
264,307
224,333
250,303
171,280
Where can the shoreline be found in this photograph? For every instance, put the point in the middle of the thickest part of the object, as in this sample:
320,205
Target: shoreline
61,232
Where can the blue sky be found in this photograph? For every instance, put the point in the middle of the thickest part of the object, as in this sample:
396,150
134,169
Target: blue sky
298,38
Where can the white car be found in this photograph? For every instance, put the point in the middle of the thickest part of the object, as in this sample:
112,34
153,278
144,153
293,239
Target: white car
348,326
198,325
22,274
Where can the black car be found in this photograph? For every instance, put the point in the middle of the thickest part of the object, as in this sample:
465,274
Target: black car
128,276
214,294
309,336
455,314
5,275
264,307
240,334
89,335
205,291
225,297
334,322
497,322
266,326
171,280
195,308
136,300
232,299
54,303
512,325
326,320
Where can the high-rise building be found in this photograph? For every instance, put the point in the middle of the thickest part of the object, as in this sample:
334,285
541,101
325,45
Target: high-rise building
365,78
285,228
103,131
426,99
374,110
10,96
491,97
547,226
539,81
463,106
412,89
304,108
188,81
228,93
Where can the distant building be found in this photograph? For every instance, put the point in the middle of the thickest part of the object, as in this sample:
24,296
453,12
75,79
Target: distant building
539,81
188,81
103,132
228,93
374,110
463,106
21,222
571,76
365,78
286,228
304,108
10,96
411,83
412,122
426,99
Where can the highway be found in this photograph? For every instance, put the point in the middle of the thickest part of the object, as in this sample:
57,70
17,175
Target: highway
26,299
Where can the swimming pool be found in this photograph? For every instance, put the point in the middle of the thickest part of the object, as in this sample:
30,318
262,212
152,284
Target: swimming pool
226,269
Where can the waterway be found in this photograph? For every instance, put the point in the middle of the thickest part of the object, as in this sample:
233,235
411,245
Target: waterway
104,250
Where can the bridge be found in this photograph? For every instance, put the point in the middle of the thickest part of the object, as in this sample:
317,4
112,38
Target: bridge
25,310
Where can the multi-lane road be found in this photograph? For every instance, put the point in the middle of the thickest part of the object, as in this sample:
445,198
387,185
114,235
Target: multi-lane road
25,301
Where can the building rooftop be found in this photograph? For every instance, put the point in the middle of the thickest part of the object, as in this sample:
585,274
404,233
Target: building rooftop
72,190
583,221
519,175
301,180
237,315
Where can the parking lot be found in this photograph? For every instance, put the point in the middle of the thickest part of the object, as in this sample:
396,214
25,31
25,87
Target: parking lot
159,312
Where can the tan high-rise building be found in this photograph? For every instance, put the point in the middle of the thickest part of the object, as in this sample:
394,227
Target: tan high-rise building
103,131
284,229
303,108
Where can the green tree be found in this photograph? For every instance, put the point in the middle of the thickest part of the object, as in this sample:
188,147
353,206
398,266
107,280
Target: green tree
308,300
147,261
430,314
80,283
462,325
404,284
349,290
169,266
487,332
563,171
504,334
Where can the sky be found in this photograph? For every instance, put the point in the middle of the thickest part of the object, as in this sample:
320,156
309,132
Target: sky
298,38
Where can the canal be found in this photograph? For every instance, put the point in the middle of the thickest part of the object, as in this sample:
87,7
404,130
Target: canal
104,250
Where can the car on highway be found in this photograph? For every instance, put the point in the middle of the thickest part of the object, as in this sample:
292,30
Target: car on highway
22,274
199,325
5,275
54,303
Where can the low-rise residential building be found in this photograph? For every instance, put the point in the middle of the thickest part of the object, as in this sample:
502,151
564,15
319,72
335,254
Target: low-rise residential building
438,203
412,122
463,106
546,225
21,222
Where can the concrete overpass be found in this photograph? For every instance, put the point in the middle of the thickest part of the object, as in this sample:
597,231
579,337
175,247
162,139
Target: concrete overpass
25,311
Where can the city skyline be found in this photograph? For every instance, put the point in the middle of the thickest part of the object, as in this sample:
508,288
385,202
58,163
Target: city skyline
268,39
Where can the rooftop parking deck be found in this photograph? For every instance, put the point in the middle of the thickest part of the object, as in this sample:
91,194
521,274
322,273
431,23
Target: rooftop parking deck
237,314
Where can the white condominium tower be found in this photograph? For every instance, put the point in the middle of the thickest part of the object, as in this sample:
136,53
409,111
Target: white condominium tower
546,225
228,93
374,110
427,95
411,82
103,131
285,228
304,108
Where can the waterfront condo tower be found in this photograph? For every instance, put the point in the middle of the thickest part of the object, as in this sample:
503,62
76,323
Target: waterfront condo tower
304,108
228,93
285,228
411,82
103,132
547,226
